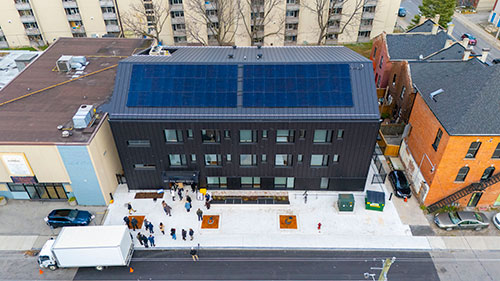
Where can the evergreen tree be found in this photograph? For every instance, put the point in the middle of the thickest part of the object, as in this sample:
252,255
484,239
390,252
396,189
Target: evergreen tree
431,8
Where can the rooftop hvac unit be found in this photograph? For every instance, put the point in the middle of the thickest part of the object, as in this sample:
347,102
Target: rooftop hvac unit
64,64
83,116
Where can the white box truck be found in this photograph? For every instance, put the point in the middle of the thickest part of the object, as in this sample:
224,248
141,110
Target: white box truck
88,246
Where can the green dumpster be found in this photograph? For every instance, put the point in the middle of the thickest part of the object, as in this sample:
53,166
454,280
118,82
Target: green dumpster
374,200
346,203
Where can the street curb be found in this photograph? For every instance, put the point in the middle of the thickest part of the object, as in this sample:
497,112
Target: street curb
285,248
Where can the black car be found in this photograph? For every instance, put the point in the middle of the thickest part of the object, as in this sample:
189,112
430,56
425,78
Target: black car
400,184
68,217
496,61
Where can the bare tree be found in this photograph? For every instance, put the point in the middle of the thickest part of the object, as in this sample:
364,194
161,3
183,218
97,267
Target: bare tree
146,18
258,14
328,13
218,17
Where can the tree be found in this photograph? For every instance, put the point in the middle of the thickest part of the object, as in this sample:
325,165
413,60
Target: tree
326,11
219,18
146,18
258,14
431,8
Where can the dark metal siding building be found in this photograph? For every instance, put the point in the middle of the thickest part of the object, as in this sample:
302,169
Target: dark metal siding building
322,144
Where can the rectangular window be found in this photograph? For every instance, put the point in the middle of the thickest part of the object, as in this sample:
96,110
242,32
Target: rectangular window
394,80
283,160
228,157
302,134
335,158
144,167
282,182
381,62
319,160
340,134
403,92
173,135
300,158
462,174
264,158
294,13
173,2
190,133
210,136
193,158
439,134
374,53
248,159
213,160
250,182
177,159
248,136
227,134
496,153
473,148
264,134
322,136
217,182
285,136
15,187
139,143
324,183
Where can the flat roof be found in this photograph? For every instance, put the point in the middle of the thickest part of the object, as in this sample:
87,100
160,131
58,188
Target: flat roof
346,92
34,119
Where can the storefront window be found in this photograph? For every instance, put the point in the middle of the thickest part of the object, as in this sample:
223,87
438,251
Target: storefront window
40,190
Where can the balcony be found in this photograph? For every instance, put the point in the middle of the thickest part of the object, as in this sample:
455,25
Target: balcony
176,7
332,41
292,19
32,31
70,4
112,28
335,17
28,19
177,20
371,2
20,6
293,7
78,29
109,16
106,3
180,32
368,15
290,32
365,27
74,17
290,43
363,39
37,43
333,29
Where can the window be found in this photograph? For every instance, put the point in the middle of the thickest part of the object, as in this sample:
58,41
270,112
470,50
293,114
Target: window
177,14
488,172
217,182
211,13
180,39
324,183
336,11
291,1
294,13
439,134
378,81
394,80
366,22
374,52
17,187
193,158
173,135
283,160
108,9
213,25
264,158
257,15
473,148
173,2
248,159
177,159
139,143
257,28
332,36
285,136
335,158
227,134
322,136
248,136
190,133
403,92
381,62
340,134
364,33
291,38
496,153
228,157
302,134
300,158
210,136
282,182
462,173
144,167
319,160
212,160
264,134
250,182
333,23
370,9
292,26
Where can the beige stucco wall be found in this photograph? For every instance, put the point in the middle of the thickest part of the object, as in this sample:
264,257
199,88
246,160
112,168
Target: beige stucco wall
51,19
11,24
92,18
104,157
44,160
385,17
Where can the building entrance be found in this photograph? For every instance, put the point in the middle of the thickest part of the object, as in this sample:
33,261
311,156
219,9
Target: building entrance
38,190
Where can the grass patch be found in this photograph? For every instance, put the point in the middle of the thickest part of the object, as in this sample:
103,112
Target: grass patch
20,49
364,49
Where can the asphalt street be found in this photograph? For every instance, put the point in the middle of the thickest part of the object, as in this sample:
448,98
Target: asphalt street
267,265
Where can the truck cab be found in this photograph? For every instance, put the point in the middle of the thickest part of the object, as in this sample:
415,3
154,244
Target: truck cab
46,259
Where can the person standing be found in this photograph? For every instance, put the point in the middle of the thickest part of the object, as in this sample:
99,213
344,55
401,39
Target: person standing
167,209
150,226
179,192
207,204
194,254
193,188
135,223
130,209
127,221
145,241
162,228
184,233
188,198
139,237
146,224
191,233
172,193
172,233
200,214
151,239
187,206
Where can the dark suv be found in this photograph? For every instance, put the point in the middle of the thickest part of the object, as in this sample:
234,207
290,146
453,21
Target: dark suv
68,217
400,184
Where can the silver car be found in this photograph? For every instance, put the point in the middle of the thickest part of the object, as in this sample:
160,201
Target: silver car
496,220
461,220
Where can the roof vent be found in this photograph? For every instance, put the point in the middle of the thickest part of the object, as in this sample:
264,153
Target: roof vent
244,57
234,46
259,46
259,56
421,57
435,93
64,64
230,56
83,116
65,134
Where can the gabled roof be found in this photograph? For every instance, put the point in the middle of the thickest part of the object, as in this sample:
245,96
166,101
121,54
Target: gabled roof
248,61
453,52
426,26
409,46
469,104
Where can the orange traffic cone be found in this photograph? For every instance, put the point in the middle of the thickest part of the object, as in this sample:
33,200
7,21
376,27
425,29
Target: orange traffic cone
406,199
131,270
40,271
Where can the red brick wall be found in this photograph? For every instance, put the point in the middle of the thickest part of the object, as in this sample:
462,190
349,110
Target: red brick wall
401,70
382,72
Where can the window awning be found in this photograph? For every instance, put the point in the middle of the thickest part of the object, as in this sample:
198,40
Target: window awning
180,176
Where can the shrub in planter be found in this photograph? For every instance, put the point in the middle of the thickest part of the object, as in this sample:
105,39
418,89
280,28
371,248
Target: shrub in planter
3,200
72,201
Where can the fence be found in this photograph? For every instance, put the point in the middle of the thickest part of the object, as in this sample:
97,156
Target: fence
381,174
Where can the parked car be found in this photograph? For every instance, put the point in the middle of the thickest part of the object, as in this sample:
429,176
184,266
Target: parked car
68,217
496,220
402,12
400,184
496,61
472,39
461,220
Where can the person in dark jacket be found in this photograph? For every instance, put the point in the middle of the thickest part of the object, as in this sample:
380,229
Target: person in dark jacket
184,233
145,241
150,226
179,192
172,233
167,208
139,237
151,239
200,214
188,198
191,233
127,221
135,223
194,254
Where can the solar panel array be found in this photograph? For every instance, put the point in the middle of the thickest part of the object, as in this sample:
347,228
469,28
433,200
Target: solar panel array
184,85
297,85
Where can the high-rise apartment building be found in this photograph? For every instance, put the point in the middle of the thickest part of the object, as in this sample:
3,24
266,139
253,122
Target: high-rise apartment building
240,22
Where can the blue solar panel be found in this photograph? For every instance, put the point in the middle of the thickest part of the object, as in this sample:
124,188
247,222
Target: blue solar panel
297,85
183,86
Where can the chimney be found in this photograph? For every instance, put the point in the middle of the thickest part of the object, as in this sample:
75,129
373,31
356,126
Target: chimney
467,54
484,54
448,43
436,18
465,42
451,26
422,19
435,28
